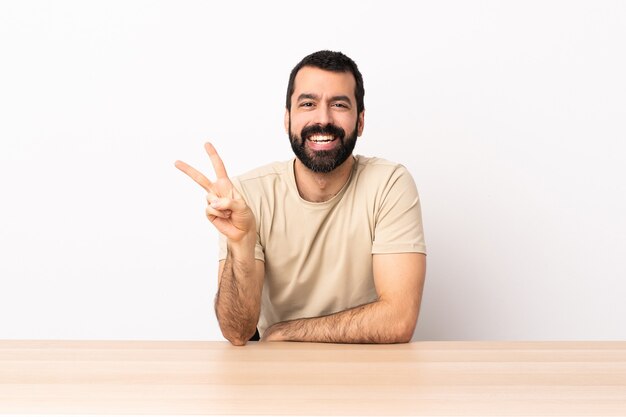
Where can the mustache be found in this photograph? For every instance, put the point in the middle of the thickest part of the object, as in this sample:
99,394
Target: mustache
329,129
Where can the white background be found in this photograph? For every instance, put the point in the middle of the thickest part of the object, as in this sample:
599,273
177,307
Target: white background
510,116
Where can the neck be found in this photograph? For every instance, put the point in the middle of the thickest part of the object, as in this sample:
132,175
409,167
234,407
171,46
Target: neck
319,187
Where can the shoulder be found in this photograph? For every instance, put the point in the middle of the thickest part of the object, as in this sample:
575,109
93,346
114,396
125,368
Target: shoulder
385,182
379,170
272,170
262,178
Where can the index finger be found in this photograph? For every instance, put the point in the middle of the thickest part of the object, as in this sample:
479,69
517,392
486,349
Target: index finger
195,175
218,165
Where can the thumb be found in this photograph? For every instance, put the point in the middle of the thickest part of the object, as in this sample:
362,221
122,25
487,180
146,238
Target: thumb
228,204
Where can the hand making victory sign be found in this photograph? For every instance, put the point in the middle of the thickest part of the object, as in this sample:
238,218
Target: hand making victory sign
226,209
240,277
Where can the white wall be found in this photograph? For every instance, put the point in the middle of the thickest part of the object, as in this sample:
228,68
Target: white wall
510,115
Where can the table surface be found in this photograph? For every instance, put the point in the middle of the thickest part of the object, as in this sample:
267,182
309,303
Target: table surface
420,378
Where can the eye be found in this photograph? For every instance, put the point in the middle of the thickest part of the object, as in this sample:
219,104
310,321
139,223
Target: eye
306,104
341,105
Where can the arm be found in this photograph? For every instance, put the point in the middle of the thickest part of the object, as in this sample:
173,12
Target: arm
238,299
237,304
399,281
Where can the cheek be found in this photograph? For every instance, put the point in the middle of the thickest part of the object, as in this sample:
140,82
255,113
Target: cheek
349,124
297,123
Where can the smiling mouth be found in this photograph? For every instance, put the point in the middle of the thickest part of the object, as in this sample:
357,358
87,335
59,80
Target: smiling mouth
321,138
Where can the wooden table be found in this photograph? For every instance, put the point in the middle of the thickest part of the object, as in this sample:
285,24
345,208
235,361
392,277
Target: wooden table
432,378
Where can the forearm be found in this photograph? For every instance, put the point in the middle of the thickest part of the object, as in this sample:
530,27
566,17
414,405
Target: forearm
376,322
238,300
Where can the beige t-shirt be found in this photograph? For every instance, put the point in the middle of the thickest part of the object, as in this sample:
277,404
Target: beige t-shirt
318,256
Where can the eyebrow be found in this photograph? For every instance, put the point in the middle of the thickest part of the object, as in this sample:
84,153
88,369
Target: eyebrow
309,96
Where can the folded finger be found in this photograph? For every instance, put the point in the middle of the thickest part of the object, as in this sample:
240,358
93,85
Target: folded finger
212,213
211,198
230,204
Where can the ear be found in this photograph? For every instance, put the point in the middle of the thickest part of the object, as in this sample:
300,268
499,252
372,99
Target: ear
287,121
360,123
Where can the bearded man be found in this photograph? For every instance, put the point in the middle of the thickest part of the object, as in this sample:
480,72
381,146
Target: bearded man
328,246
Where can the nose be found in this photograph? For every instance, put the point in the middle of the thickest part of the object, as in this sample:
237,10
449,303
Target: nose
323,116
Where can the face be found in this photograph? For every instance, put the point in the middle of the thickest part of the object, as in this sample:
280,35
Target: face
323,123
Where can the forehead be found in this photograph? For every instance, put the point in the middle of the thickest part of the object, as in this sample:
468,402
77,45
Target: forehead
321,82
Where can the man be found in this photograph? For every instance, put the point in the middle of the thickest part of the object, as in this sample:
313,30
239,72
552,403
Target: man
327,247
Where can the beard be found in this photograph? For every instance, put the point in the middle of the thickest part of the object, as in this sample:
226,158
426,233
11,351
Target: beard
326,160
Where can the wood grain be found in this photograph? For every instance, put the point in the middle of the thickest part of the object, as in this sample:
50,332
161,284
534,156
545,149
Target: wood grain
422,378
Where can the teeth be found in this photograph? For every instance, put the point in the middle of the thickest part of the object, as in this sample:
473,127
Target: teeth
321,138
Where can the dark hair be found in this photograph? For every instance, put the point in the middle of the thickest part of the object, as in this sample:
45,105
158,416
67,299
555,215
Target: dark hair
329,61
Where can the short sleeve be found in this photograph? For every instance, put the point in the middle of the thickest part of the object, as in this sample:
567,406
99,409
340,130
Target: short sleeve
398,227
